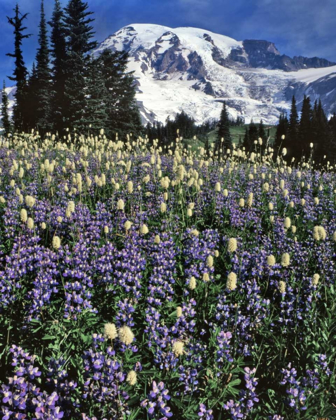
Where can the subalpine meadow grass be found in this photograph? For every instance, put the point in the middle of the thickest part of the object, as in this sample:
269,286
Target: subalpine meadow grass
139,285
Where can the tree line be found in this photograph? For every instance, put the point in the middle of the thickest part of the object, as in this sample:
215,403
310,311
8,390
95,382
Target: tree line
312,128
68,87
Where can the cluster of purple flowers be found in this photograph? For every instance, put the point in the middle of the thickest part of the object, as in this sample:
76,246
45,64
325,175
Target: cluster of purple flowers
22,394
156,402
241,409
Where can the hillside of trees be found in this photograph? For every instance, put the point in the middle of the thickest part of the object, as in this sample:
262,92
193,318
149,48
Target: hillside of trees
310,135
68,88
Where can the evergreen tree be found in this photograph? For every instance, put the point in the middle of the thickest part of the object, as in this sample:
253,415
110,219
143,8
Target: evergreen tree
291,140
32,89
20,72
331,153
4,111
251,134
322,135
78,35
58,53
305,130
185,124
246,141
282,130
262,135
43,93
261,131
96,116
223,133
121,107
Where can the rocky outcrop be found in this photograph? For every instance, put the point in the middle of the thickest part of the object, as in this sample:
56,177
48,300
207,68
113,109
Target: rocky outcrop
264,54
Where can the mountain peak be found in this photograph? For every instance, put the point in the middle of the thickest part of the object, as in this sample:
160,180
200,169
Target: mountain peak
195,70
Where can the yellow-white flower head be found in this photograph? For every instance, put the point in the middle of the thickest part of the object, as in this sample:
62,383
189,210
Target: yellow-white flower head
56,242
271,260
178,348
120,204
23,215
232,245
315,280
30,201
110,331
130,187
319,233
126,335
30,223
285,259
192,283
163,207
231,282
127,225
131,377
210,261
250,200
144,229
287,223
282,287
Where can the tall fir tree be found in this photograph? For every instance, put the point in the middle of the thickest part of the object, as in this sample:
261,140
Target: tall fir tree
96,115
291,140
251,135
322,134
221,145
261,131
282,130
331,153
121,107
58,54
263,136
20,72
78,43
305,130
43,93
6,124
32,89
246,140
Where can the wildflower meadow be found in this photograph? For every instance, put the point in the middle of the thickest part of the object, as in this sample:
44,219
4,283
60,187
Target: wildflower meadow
142,284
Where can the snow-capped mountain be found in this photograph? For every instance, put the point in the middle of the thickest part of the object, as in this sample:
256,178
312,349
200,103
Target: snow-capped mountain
195,70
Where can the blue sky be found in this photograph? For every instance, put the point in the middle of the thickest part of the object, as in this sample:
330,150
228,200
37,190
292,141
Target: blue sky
297,27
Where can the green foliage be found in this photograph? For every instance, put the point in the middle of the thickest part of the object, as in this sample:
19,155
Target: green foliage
224,140
4,111
78,45
43,80
58,53
20,71
121,108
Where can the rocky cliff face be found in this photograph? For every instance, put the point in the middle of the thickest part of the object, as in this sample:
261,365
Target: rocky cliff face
264,54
